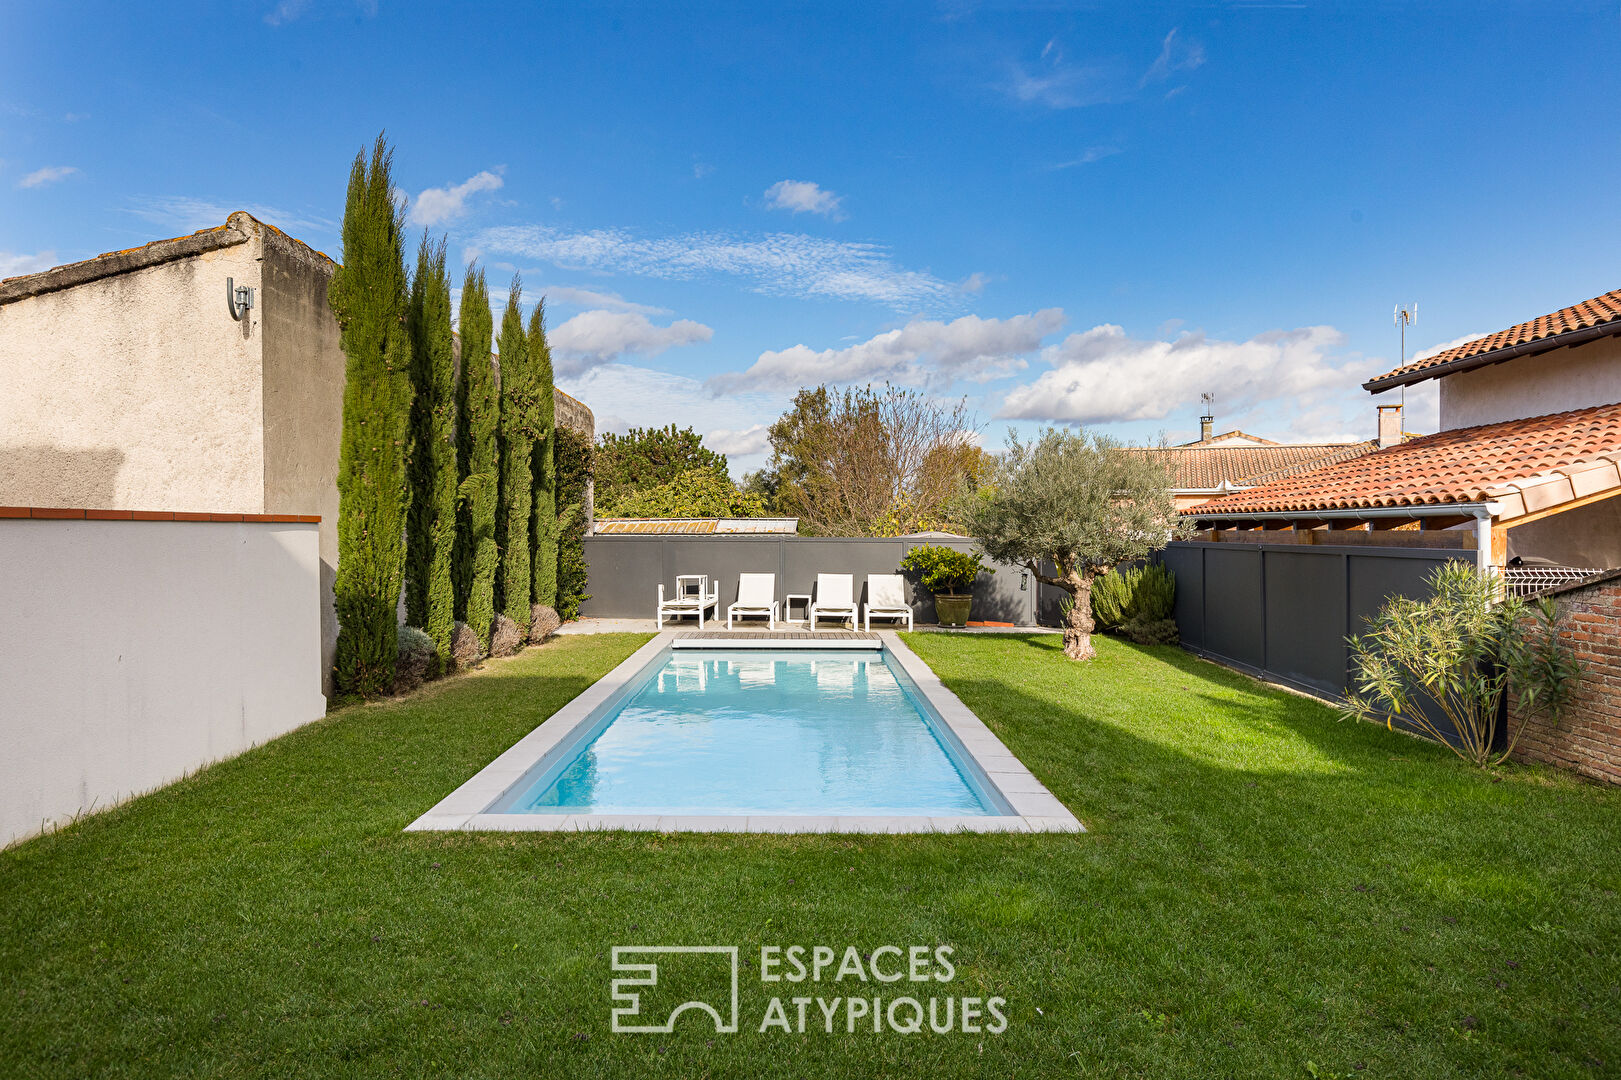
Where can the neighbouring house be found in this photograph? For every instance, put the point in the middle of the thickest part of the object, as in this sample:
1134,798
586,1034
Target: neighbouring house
693,526
131,382
1525,471
1215,466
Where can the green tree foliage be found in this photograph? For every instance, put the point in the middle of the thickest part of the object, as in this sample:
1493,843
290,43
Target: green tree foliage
700,492
477,461
869,462
574,462
431,530
1455,656
368,297
519,429
543,519
645,458
941,570
1082,503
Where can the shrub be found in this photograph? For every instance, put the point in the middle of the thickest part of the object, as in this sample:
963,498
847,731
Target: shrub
416,660
1142,594
1111,596
543,623
1456,655
465,650
507,636
1146,631
943,571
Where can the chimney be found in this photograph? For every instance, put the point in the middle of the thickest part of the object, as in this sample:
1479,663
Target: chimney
1389,425
1206,424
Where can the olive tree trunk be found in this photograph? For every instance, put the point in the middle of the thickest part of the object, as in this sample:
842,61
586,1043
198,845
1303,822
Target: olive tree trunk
1078,630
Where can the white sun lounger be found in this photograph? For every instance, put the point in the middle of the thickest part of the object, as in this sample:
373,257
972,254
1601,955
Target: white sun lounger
834,598
693,596
756,595
886,598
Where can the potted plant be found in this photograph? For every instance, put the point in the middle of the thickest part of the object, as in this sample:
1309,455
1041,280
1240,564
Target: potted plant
949,574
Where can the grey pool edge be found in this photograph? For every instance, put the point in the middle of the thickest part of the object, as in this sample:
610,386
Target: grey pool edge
1035,809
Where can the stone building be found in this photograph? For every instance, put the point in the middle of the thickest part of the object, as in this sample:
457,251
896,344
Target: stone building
133,381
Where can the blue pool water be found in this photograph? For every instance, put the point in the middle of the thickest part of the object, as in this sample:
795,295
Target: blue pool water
761,732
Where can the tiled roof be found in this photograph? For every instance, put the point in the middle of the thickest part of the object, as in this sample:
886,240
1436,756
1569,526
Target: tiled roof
662,526
1526,464
1204,467
1601,311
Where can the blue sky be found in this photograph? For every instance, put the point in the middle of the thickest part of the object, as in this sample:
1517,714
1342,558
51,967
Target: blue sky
1066,213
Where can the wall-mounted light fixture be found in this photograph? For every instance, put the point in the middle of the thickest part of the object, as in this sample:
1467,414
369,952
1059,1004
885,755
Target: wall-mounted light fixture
239,298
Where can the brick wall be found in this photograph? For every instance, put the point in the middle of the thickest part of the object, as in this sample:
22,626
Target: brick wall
1587,739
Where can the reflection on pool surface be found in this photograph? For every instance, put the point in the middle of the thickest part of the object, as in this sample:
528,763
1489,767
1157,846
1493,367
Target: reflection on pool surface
761,732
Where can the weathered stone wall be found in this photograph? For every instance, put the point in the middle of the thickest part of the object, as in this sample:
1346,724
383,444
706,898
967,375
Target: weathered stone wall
1587,740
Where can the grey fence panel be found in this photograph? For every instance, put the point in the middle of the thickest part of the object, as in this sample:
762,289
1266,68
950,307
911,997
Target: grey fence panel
625,571
1234,602
1187,563
1283,611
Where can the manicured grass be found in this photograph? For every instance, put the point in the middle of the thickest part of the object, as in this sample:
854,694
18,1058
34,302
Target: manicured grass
1262,888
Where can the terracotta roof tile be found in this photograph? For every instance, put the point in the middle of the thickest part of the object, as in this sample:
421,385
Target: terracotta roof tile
1204,467
1599,311
1464,465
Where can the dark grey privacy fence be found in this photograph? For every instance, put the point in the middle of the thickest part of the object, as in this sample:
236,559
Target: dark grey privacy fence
626,572
1283,611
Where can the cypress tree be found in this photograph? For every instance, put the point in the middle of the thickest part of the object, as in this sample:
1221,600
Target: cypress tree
477,456
517,445
431,530
368,297
543,529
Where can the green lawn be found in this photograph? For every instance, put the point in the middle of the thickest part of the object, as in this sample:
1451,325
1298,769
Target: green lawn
1262,888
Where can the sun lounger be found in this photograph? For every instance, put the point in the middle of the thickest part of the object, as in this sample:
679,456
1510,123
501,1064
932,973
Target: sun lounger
834,599
756,595
886,598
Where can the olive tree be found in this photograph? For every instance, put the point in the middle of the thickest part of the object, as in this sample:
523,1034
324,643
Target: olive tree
1082,503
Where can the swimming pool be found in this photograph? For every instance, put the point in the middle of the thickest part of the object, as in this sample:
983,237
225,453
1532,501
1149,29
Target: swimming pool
726,736
762,732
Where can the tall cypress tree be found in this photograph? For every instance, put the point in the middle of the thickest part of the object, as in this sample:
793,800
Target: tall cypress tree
543,527
431,530
477,456
517,445
368,296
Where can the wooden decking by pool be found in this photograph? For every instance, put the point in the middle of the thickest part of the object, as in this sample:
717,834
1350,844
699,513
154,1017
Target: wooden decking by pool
722,638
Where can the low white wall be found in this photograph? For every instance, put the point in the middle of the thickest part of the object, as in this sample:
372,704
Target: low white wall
134,652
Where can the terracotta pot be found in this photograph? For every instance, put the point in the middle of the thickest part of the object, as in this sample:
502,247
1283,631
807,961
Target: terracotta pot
952,610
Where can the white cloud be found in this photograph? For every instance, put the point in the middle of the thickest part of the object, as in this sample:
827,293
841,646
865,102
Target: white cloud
1101,376
16,264
702,170
784,264
923,351
593,298
804,197
286,11
750,441
1174,55
601,337
183,213
974,283
1053,82
435,206
48,175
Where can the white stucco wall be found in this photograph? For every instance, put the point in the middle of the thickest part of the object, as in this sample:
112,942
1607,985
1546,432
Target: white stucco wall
1533,385
136,391
134,652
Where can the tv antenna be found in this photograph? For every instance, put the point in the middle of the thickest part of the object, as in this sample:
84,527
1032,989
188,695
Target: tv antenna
1405,317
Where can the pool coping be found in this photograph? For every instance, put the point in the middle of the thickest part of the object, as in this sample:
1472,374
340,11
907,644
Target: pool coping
1035,809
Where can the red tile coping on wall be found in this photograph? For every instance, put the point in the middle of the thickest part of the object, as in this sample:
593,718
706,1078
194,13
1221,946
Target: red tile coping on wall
55,513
